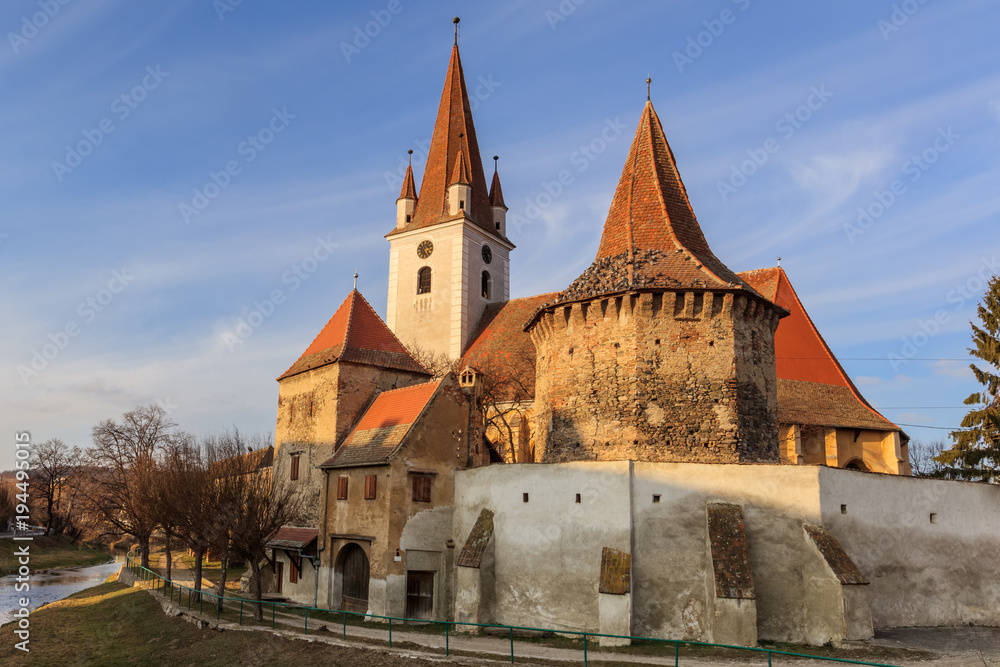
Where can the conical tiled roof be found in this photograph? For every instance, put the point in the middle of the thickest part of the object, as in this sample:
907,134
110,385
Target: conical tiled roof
356,334
409,190
651,237
460,172
454,133
496,192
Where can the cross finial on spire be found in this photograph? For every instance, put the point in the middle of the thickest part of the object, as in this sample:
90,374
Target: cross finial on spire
455,21
779,261
648,81
355,281
410,153
496,159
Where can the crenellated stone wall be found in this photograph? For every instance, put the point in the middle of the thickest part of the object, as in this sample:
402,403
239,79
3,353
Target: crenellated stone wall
657,376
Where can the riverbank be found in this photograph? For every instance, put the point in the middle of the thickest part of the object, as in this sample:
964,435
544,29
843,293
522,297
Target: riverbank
114,624
47,553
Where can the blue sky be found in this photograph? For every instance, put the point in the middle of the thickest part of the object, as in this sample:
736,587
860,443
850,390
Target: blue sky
788,120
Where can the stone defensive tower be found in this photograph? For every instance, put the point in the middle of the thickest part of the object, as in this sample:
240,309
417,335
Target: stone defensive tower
657,352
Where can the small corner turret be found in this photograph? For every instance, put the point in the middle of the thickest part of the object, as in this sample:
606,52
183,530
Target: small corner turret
406,204
496,201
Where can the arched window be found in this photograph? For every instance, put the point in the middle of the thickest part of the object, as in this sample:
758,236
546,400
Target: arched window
486,284
424,280
857,464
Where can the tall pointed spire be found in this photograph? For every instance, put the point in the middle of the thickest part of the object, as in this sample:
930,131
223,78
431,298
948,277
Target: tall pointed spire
496,193
454,136
409,190
651,237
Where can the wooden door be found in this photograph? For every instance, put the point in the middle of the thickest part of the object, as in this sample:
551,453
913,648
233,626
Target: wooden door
354,564
420,595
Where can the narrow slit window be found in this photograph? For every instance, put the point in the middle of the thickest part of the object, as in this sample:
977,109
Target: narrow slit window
294,472
424,280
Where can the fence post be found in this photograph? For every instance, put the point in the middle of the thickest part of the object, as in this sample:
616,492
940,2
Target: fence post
343,615
768,659
677,654
584,649
241,612
511,645
307,622
272,615
390,632
446,647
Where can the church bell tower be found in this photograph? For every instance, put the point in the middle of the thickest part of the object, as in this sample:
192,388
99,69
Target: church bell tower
449,256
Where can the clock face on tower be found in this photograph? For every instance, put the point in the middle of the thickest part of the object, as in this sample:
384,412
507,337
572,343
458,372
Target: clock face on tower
487,254
425,249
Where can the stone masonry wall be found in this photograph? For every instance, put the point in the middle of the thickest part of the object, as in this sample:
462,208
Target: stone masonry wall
672,376
316,410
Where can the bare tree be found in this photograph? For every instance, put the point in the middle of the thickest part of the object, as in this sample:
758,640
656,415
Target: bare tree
126,449
7,501
261,507
236,461
438,363
52,464
505,402
922,458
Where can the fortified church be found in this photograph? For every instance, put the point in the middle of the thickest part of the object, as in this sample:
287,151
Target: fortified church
665,448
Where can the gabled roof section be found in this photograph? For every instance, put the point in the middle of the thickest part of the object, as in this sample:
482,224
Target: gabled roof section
409,190
496,192
651,238
383,427
454,133
813,388
500,347
356,334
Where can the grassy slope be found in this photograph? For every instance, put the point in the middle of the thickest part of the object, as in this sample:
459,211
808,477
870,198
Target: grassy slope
49,552
113,624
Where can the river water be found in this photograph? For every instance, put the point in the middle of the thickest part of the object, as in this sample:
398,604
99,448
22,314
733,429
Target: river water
53,585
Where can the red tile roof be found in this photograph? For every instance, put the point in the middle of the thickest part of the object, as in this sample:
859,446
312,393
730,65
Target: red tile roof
383,426
454,132
356,334
289,537
502,347
496,192
460,172
409,190
813,387
651,238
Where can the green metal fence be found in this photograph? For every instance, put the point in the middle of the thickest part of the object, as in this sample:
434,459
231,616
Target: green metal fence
238,607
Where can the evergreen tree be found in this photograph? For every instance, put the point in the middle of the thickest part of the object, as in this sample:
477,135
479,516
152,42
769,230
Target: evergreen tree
976,453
